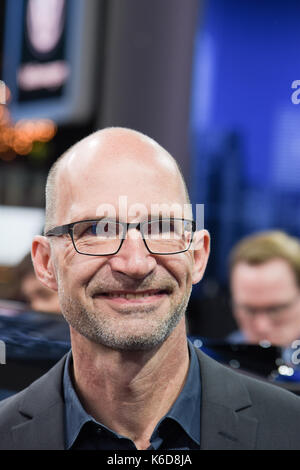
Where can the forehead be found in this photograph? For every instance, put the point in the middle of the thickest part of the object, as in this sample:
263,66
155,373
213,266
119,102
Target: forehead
270,279
127,173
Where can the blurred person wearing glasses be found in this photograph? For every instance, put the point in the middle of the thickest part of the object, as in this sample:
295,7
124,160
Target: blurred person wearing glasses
132,379
265,288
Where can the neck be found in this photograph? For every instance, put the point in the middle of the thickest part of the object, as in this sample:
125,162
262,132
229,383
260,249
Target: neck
129,392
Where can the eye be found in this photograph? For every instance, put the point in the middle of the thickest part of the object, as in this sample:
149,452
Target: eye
91,230
162,228
102,229
105,229
83,229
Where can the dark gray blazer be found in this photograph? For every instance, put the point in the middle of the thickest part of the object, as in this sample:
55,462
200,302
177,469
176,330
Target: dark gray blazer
237,412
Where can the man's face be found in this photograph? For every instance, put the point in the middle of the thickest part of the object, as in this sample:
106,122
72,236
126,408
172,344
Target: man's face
97,294
266,302
39,297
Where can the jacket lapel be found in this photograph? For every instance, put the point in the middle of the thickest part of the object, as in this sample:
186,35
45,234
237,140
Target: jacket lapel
43,410
226,421
226,408
43,432
224,429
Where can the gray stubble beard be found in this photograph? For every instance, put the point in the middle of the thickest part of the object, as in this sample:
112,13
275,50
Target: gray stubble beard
87,324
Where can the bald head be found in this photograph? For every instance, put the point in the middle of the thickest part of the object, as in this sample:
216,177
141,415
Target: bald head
106,158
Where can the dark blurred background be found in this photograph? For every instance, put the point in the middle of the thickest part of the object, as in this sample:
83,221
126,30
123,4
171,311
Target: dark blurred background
209,80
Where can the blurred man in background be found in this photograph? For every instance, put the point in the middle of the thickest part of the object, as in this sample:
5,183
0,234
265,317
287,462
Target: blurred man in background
265,288
38,297
37,312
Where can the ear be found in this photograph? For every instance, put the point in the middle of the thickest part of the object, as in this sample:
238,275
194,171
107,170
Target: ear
201,247
42,262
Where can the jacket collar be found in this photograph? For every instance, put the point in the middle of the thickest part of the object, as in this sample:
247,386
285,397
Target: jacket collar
42,407
226,422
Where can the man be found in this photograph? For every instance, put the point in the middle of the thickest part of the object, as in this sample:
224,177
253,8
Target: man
132,381
38,297
265,288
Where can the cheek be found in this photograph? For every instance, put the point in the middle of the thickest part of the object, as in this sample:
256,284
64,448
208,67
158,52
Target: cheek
242,318
68,251
181,268
74,271
187,264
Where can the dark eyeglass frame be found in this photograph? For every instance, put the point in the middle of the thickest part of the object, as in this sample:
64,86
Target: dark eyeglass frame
272,310
68,229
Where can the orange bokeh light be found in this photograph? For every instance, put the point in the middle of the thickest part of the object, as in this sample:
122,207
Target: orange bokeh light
20,137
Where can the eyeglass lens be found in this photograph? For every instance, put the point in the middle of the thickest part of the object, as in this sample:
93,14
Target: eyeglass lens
105,236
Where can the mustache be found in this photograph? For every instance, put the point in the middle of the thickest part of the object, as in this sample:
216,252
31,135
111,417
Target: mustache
102,286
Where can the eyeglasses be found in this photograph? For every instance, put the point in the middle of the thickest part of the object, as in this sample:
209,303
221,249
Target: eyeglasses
104,237
271,310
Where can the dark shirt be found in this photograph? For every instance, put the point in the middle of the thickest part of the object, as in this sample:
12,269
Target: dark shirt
179,429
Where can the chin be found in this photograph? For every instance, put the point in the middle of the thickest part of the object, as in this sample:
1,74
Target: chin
134,338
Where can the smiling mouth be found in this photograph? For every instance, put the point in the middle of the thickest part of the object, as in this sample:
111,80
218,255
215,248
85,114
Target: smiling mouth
133,296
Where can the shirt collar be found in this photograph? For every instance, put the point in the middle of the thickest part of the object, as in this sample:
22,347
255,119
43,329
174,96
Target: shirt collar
75,415
185,411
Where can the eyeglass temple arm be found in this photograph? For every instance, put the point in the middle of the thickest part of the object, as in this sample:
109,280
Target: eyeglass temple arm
58,231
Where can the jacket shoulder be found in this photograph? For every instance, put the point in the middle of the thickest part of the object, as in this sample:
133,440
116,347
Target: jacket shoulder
9,409
272,396
36,400
273,411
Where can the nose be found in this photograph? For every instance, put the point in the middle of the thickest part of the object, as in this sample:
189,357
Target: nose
261,324
133,259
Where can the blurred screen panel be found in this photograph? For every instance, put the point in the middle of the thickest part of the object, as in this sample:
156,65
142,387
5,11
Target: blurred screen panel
18,226
48,63
245,121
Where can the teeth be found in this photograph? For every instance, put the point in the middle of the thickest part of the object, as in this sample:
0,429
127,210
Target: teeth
130,296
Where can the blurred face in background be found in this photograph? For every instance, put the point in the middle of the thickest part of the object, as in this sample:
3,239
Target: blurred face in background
266,302
38,296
